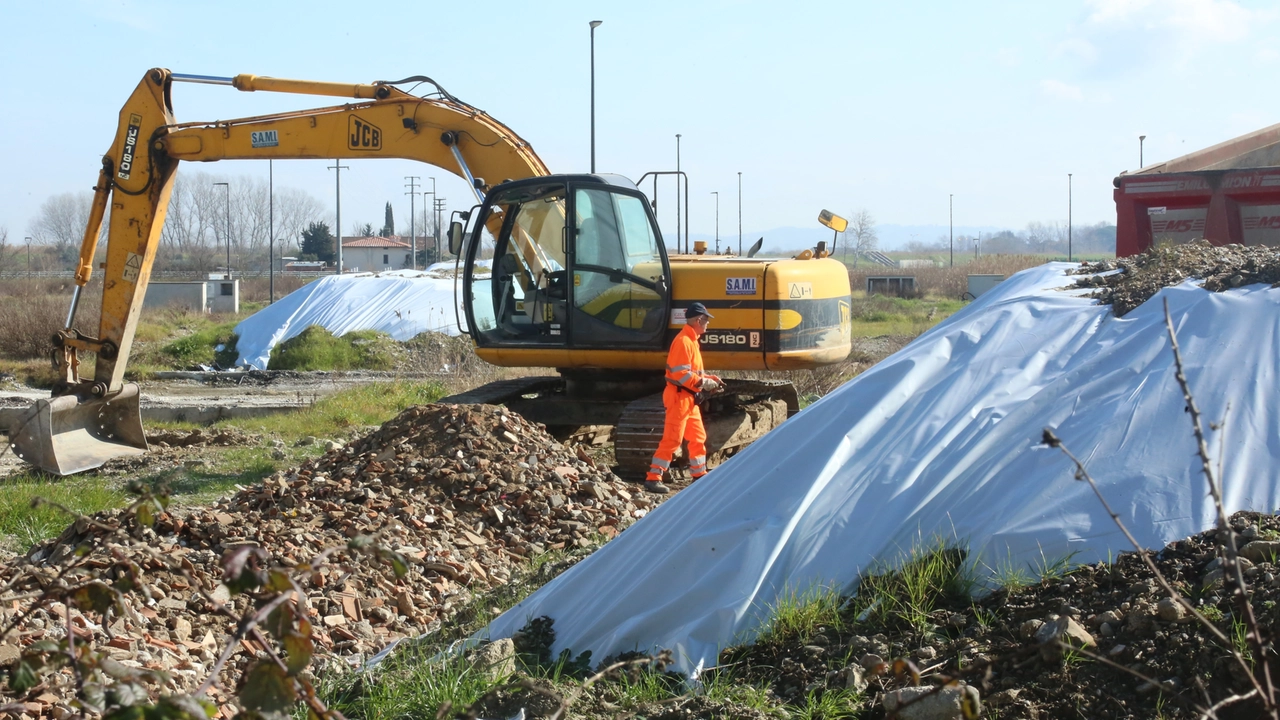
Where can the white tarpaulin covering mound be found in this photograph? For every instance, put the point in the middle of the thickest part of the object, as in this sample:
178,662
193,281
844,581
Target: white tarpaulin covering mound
401,303
942,439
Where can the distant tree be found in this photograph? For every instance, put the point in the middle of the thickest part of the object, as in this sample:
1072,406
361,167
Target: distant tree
7,254
317,240
61,222
365,230
388,223
861,234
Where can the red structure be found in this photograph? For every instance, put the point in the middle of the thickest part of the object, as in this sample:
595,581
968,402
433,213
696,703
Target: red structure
1228,193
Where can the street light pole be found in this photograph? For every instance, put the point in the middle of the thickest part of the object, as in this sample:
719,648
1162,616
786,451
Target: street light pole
435,233
413,219
228,187
1068,217
1140,139
951,215
338,167
594,24
271,225
678,194
717,194
739,214
28,239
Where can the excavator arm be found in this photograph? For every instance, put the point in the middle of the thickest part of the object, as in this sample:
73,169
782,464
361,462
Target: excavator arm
88,421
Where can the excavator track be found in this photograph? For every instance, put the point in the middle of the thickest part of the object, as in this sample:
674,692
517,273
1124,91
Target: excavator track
503,391
734,419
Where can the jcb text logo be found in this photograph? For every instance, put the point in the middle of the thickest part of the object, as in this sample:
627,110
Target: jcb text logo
363,136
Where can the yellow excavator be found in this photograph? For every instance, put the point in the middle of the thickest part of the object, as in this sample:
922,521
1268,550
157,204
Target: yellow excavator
559,271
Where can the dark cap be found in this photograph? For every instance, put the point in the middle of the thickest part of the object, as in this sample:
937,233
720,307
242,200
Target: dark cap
695,309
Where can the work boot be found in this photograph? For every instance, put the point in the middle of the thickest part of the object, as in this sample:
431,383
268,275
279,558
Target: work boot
696,478
656,487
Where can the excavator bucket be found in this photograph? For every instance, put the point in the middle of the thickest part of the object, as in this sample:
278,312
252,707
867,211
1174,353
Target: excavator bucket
69,434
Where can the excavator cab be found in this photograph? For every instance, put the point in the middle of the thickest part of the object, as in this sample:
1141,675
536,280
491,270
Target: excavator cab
566,261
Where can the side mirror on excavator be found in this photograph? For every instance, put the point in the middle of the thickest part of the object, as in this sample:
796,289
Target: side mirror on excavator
455,237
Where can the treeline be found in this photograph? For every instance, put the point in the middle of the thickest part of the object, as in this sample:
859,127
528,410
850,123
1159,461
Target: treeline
1036,239
207,213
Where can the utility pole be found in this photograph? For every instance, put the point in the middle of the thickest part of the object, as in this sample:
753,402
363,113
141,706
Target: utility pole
594,24
678,194
717,194
439,203
1068,217
435,233
271,225
228,187
337,178
1140,139
739,214
28,257
951,215
413,228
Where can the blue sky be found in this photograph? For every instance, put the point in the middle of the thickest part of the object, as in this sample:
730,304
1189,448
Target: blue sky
845,105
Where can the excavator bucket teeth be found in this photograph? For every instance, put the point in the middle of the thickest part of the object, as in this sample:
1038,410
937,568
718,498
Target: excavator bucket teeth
69,434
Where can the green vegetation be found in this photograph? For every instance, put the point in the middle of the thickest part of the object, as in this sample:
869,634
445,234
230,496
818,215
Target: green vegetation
797,617
24,523
317,349
926,578
880,315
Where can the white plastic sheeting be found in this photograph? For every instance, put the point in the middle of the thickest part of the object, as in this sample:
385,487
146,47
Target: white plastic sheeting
943,439
401,303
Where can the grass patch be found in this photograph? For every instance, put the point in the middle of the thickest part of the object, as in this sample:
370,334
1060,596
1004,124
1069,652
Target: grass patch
878,315
22,525
343,412
798,616
317,349
414,682
928,578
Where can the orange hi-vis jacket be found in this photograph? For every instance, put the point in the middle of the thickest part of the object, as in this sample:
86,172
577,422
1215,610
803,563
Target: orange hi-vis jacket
684,361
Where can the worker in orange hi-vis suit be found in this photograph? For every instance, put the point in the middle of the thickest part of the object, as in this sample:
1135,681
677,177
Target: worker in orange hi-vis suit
685,379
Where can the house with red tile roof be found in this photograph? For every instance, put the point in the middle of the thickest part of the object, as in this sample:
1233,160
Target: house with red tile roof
375,254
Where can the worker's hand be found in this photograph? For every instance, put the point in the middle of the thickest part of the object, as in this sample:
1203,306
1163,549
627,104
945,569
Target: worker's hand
710,384
716,378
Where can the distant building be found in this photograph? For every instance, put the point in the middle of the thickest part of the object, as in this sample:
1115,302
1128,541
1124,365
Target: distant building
375,254
305,266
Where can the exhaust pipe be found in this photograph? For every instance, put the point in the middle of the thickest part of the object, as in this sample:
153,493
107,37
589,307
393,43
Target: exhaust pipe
72,433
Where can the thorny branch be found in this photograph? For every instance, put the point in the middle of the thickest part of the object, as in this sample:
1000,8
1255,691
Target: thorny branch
1263,687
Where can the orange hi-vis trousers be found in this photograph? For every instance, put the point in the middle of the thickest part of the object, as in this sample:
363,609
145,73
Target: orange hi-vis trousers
683,422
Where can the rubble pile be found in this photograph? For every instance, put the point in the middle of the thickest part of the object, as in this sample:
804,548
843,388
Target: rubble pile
221,437
465,493
1115,610
1142,276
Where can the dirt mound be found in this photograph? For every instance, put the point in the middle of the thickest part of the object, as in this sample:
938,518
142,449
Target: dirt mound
464,493
1142,276
222,437
1119,607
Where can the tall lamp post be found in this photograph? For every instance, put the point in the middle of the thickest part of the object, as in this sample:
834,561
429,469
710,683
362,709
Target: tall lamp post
271,225
28,241
739,214
951,219
338,167
435,233
1068,217
717,194
228,228
1140,139
678,194
413,220
594,24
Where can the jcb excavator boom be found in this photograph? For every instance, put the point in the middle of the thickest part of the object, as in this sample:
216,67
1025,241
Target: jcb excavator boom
88,421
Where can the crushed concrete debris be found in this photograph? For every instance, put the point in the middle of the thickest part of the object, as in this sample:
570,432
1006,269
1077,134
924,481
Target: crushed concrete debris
1140,277
466,493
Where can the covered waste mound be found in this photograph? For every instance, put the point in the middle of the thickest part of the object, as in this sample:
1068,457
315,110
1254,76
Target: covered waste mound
943,440
400,303
466,493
